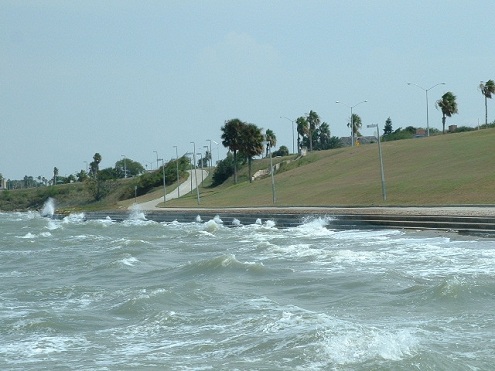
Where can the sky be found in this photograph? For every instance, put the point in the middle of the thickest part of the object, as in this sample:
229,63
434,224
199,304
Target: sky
134,79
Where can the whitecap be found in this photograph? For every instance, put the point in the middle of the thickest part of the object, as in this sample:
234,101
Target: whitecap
130,261
211,226
75,218
29,235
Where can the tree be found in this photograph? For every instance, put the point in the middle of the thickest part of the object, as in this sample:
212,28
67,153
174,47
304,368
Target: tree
302,130
82,176
251,143
487,89
313,122
388,127
231,138
133,168
271,139
94,166
323,136
356,125
448,105
223,170
282,151
55,174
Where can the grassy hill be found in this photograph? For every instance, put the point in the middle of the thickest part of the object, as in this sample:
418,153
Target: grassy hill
440,170
448,169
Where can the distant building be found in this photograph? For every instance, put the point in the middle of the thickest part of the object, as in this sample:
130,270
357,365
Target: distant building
346,141
3,184
420,133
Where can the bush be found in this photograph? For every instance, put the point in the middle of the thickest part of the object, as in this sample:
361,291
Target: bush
224,170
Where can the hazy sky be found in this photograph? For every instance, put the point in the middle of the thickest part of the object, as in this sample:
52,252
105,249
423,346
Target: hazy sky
133,77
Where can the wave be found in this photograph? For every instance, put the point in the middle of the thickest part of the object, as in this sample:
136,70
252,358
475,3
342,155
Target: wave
220,264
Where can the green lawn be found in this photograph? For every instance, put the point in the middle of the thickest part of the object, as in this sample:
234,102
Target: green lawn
440,170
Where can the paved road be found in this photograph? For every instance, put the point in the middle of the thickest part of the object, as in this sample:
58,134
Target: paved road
184,188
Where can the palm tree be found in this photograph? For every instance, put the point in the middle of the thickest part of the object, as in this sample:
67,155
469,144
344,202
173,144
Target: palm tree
302,130
324,135
356,125
251,144
231,138
271,139
487,89
55,174
313,122
95,165
448,105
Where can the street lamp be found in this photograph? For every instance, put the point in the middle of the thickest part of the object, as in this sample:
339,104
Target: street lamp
201,160
156,158
271,171
164,186
177,166
218,152
426,91
384,191
206,156
211,155
352,118
293,135
125,166
195,172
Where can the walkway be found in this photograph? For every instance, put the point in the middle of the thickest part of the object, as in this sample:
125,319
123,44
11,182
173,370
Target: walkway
183,189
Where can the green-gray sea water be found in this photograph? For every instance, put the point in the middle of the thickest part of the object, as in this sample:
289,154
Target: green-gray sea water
138,294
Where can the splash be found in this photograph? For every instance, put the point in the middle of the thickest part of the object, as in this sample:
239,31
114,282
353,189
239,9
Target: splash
236,222
48,208
198,219
137,213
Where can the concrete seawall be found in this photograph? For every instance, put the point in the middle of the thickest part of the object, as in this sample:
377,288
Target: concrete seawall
340,218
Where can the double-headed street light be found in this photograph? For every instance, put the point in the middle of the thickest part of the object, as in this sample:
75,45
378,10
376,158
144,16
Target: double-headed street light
211,155
426,91
195,172
177,166
384,191
293,135
352,118
164,186
125,166
271,171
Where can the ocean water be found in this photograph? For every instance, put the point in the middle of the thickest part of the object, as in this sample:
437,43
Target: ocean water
138,294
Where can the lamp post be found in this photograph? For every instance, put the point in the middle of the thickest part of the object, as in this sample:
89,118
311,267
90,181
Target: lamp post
426,93
218,152
271,172
201,160
384,191
156,158
293,135
211,155
177,166
352,118
125,166
164,186
206,157
195,172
